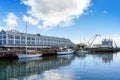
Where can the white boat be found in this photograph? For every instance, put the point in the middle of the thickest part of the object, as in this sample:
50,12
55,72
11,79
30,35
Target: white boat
67,51
20,55
82,52
26,55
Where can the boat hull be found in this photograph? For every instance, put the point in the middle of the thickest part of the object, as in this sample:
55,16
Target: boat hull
20,56
65,53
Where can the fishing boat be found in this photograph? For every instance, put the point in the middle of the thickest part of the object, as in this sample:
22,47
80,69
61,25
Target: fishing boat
66,51
28,54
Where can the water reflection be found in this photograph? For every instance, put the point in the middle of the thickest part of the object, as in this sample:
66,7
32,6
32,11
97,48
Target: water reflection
98,66
105,57
20,69
81,56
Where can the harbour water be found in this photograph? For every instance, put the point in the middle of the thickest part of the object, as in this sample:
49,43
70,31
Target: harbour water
98,66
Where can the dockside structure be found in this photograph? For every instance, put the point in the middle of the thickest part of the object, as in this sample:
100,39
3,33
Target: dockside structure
18,39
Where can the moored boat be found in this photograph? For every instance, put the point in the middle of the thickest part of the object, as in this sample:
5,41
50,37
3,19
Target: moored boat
82,52
20,55
66,51
28,53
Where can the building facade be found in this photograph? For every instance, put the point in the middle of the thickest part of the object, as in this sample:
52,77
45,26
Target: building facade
15,38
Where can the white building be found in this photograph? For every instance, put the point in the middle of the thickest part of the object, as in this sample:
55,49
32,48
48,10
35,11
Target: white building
15,38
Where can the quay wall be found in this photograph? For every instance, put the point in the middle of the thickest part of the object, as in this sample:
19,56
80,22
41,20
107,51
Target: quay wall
12,53
103,49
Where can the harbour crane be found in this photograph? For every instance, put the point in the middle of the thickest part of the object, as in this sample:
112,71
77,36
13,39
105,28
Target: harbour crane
92,39
115,44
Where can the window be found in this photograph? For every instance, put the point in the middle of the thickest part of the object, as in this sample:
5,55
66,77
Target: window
17,37
10,36
37,43
33,43
22,38
37,39
0,37
17,42
4,37
28,43
33,38
0,42
4,42
28,38
10,42
22,42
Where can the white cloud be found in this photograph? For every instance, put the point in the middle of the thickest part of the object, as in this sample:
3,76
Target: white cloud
11,20
88,12
64,75
32,20
52,13
105,12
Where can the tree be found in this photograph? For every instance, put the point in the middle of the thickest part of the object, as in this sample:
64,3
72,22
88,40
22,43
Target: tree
81,45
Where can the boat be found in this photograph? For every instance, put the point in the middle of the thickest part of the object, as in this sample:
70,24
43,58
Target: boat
29,59
28,53
82,52
66,51
20,55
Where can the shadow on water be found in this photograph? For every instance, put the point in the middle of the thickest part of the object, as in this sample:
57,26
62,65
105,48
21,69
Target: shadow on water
19,68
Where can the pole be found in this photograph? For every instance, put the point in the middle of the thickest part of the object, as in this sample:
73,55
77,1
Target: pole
26,39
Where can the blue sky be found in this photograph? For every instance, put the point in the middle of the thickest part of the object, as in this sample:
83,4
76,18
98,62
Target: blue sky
61,18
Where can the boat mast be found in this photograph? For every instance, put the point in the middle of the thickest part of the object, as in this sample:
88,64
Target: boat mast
26,39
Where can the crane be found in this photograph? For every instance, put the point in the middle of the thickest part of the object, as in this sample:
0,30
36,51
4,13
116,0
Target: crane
93,39
115,44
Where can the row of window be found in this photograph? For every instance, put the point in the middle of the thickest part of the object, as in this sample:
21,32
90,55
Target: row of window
11,42
30,38
49,41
